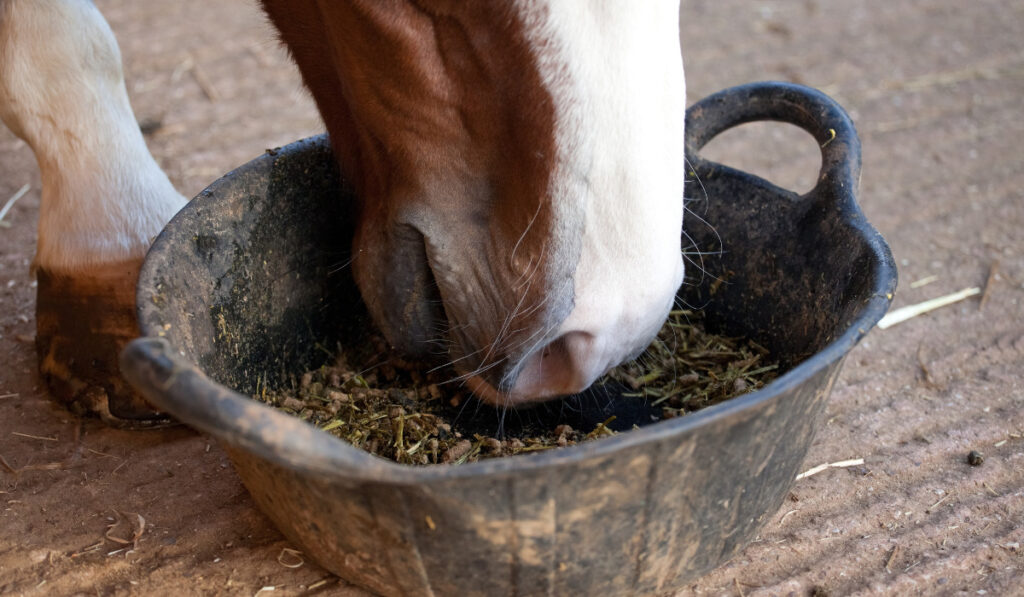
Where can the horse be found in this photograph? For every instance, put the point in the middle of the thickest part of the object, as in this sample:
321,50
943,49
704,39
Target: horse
519,165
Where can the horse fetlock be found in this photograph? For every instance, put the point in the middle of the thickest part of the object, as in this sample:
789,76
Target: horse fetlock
83,320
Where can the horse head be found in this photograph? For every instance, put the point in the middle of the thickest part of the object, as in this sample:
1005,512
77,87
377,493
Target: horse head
520,169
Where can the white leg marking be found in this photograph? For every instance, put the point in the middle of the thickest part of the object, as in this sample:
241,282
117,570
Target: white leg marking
62,90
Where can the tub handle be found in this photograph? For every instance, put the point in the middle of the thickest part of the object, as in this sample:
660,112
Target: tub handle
807,108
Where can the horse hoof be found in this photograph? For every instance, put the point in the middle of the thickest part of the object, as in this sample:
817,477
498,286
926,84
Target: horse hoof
83,320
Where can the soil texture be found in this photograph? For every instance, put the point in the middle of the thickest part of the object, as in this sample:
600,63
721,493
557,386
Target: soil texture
935,90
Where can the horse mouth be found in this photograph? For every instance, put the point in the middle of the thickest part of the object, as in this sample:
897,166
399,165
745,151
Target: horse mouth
487,393
460,318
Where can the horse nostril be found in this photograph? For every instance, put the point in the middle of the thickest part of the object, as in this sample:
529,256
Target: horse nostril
567,365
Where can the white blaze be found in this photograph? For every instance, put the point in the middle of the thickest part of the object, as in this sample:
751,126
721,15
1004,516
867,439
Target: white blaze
620,140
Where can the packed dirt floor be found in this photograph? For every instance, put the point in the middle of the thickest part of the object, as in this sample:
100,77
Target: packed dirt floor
935,88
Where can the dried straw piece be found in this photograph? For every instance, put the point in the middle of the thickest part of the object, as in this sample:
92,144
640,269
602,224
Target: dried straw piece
10,203
993,270
290,558
911,311
826,466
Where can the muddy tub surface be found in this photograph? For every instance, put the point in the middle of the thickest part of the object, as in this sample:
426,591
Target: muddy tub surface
246,286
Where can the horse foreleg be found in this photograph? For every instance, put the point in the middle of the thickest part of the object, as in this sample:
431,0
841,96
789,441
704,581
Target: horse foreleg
103,200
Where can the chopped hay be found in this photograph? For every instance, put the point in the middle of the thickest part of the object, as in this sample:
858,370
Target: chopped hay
404,414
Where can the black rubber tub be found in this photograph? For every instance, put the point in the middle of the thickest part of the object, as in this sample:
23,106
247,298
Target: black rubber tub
244,287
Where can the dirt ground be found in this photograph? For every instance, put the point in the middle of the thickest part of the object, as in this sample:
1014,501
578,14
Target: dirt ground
935,87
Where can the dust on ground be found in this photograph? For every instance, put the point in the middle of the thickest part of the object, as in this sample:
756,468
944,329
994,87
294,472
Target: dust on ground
934,89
